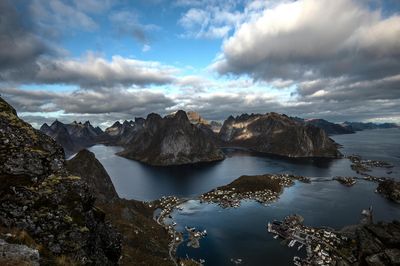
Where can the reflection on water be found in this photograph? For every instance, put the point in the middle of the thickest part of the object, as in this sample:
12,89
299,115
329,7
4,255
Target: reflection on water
139,181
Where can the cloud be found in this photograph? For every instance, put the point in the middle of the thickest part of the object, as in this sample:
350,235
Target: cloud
95,71
218,106
209,20
342,57
93,101
306,39
127,23
146,48
94,6
19,45
56,16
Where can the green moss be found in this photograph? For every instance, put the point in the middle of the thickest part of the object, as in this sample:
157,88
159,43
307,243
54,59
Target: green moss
84,229
68,219
37,150
14,120
73,177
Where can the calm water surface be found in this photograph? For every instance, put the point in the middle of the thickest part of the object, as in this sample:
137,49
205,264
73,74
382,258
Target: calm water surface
241,232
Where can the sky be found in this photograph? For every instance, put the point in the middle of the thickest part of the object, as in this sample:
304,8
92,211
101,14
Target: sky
112,60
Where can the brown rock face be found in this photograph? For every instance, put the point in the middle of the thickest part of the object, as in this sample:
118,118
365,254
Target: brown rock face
171,140
277,134
195,118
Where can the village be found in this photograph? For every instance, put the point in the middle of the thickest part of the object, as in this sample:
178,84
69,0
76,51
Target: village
323,246
263,189
347,181
362,166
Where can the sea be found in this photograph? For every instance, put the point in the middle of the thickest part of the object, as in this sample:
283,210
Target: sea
240,234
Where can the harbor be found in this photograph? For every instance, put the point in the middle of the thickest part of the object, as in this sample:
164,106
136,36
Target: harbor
323,246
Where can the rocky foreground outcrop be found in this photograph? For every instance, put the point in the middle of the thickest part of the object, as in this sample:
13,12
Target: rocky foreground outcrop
85,165
273,133
171,140
390,189
144,242
74,136
377,244
43,206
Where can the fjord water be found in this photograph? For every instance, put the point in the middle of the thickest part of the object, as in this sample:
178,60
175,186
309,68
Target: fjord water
134,180
241,232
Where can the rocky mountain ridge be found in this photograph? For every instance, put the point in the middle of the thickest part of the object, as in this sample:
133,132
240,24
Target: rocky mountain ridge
360,126
267,133
329,127
121,134
74,136
277,134
171,140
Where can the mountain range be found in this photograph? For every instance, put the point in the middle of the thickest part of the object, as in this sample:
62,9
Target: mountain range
74,136
186,138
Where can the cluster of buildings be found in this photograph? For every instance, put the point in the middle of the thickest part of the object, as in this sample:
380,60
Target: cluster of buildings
231,198
323,246
361,166
347,181
167,204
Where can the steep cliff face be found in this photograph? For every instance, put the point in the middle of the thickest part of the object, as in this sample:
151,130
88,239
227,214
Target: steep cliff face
144,241
171,140
195,118
277,134
42,201
74,136
86,165
60,134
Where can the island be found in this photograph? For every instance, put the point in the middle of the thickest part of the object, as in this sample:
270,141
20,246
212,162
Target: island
261,188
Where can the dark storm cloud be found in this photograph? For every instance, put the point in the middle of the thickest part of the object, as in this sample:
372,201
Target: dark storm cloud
19,46
104,100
